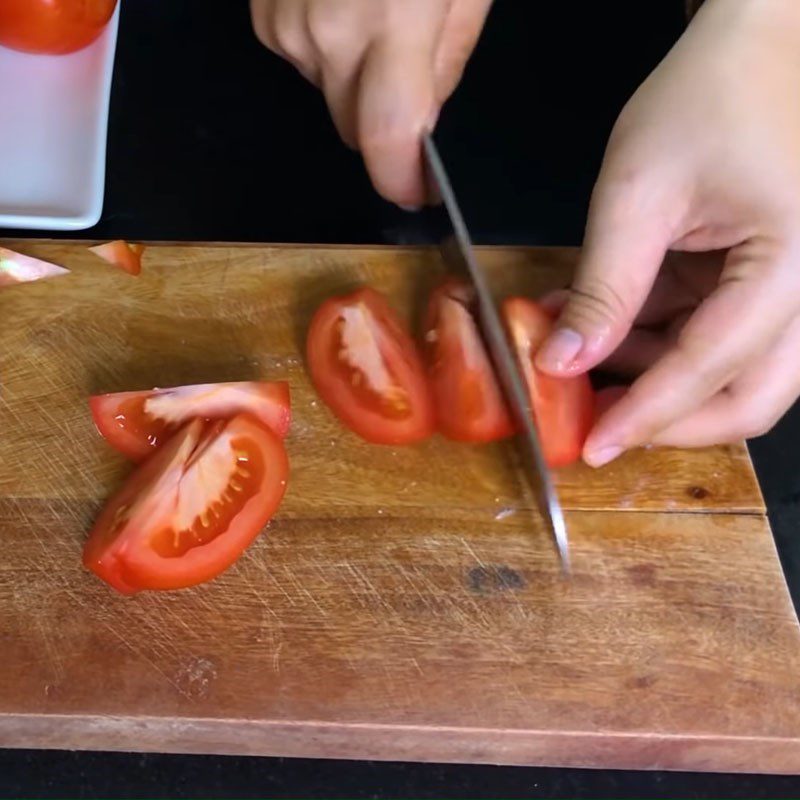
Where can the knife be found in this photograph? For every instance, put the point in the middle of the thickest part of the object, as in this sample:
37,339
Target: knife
458,253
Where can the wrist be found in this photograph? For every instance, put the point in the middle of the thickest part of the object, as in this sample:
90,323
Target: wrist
763,32
780,18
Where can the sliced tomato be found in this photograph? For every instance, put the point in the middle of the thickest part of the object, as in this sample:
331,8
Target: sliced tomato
16,268
366,368
52,26
126,256
563,408
191,510
468,400
136,423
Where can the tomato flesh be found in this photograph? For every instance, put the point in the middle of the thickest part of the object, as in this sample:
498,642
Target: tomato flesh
53,26
468,400
366,368
16,268
126,256
563,408
137,423
190,511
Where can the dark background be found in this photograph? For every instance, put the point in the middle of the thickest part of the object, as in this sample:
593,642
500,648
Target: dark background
213,138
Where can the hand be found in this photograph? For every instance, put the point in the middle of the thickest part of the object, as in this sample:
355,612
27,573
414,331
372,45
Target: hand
385,68
704,158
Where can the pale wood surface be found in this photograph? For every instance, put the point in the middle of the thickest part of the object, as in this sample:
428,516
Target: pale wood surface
387,612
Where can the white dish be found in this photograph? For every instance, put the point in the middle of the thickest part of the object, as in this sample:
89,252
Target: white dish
53,127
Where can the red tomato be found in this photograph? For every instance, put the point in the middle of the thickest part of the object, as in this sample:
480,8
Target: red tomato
469,404
191,510
16,268
366,367
136,423
52,26
563,408
126,256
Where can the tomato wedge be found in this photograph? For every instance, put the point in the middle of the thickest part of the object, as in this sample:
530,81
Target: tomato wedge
366,368
16,268
469,404
563,408
52,26
190,511
137,423
126,256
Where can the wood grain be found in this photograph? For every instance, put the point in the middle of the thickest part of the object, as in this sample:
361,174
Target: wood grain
405,604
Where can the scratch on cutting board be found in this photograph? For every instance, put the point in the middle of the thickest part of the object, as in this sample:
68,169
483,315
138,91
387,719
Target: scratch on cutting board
469,549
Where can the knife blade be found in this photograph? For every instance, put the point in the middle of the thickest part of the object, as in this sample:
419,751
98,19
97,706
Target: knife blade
458,252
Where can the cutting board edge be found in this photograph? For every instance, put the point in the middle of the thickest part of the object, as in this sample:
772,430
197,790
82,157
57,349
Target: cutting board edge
353,741
11,242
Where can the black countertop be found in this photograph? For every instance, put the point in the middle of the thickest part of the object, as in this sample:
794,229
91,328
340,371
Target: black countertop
213,138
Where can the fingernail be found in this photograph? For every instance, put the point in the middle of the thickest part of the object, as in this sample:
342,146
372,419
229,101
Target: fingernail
559,350
598,458
410,209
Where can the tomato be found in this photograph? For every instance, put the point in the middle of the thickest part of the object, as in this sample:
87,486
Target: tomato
469,403
191,510
126,256
563,408
52,26
366,368
136,423
16,268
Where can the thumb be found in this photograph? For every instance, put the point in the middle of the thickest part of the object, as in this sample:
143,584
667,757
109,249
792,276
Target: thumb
627,235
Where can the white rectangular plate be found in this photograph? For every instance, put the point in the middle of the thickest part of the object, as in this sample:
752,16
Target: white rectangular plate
53,135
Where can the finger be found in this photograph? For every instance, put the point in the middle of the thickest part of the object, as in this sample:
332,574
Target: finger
293,37
462,28
262,17
627,235
397,102
340,33
752,305
750,407
339,84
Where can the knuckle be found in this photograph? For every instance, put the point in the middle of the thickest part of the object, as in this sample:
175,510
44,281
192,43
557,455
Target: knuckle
289,39
596,303
330,30
710,366
626,193
262,27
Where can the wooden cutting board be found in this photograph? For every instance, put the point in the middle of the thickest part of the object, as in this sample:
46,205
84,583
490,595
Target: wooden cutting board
404,604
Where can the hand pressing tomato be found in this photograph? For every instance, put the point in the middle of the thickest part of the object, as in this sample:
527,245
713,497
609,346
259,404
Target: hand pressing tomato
55,27
191,510
468,400
366,368
563,408
136,423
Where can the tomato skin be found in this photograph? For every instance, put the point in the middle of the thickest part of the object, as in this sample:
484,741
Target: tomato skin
129,546
400,413
54,27
563,408
126,256
469,402
122,420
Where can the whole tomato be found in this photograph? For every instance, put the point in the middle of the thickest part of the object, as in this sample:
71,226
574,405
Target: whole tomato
52,26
